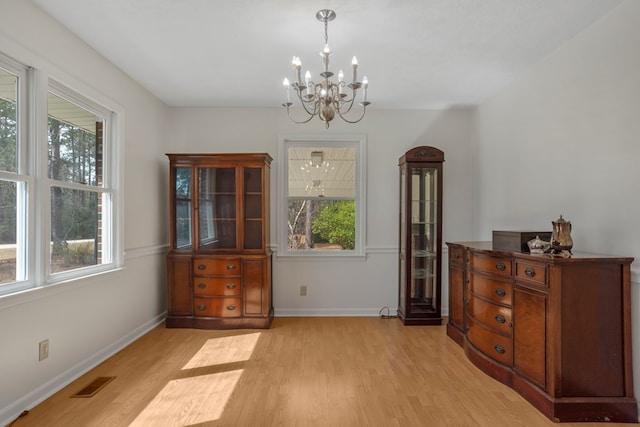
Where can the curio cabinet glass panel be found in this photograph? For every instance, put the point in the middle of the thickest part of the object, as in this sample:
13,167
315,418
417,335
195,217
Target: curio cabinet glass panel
420,248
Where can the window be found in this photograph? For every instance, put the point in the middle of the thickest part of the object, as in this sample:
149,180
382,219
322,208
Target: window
14,182
80,201
62,207
323,188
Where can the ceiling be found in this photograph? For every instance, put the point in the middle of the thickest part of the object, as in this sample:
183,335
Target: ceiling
416,54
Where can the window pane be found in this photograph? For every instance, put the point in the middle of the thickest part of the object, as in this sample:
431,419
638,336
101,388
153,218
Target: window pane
322,171
322,224
76,234
8,231
8,121
75,143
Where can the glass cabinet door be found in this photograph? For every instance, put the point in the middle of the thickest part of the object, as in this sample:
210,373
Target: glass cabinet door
403,240
423,239
217,208
253,202
183,213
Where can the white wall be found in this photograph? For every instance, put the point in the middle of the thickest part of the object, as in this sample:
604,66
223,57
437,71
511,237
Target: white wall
87,320
345,286
565,139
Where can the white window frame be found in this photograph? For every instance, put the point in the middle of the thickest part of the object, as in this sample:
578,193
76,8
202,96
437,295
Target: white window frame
23,180
34,85
106,190
359,142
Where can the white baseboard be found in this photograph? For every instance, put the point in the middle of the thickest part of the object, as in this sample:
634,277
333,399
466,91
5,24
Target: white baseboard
328,312
335,312
46,390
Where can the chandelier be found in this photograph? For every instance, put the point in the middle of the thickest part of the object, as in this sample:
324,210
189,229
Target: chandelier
326,99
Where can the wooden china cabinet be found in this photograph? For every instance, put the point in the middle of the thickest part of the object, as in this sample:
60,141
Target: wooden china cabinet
420,236
219,263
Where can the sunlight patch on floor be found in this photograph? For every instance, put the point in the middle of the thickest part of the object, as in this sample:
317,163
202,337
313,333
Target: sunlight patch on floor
218,351
201,398
189,401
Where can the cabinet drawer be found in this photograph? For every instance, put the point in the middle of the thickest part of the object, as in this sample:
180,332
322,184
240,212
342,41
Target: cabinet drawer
494,345
493,316
491,264
532,272
216,286
217,266
494,290
217,307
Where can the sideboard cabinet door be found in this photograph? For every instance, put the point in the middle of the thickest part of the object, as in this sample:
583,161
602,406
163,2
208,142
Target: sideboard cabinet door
529,339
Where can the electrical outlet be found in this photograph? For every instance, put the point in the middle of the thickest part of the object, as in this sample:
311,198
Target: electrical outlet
303,291
43,350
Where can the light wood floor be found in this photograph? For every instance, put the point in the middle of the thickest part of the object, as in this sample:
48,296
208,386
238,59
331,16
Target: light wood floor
301,372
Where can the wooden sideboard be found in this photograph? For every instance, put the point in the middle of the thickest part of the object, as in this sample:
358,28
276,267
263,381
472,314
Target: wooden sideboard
555,329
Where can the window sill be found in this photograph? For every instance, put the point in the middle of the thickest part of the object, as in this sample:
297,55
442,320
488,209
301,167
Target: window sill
50,289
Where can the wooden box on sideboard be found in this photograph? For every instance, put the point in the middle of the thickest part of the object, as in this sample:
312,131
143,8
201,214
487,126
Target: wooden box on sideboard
516,241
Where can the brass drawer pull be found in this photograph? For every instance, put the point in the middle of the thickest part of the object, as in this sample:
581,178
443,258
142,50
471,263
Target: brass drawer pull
231,286
500,292
500,266
530,272
231,307
202,307
231,267
500,318
500,349
202,285
202,267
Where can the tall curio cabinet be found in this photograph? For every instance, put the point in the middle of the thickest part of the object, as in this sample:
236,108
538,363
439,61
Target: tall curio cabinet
219,263
420,236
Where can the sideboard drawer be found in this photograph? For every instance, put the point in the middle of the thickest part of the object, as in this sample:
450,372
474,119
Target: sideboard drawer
498,265
217,307
496,346
493,316
493,290
532,272
217,286
217,266
456,254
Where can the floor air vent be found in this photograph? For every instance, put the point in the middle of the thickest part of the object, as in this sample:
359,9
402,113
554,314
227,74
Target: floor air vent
94,387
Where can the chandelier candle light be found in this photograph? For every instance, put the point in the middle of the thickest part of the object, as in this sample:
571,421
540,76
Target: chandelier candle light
326,98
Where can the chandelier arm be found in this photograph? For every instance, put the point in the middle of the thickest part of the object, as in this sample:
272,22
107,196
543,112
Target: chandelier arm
364,110
300,122
348,102
306,103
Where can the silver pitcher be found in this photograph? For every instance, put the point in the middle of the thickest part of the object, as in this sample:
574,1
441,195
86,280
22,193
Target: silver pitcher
561,236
